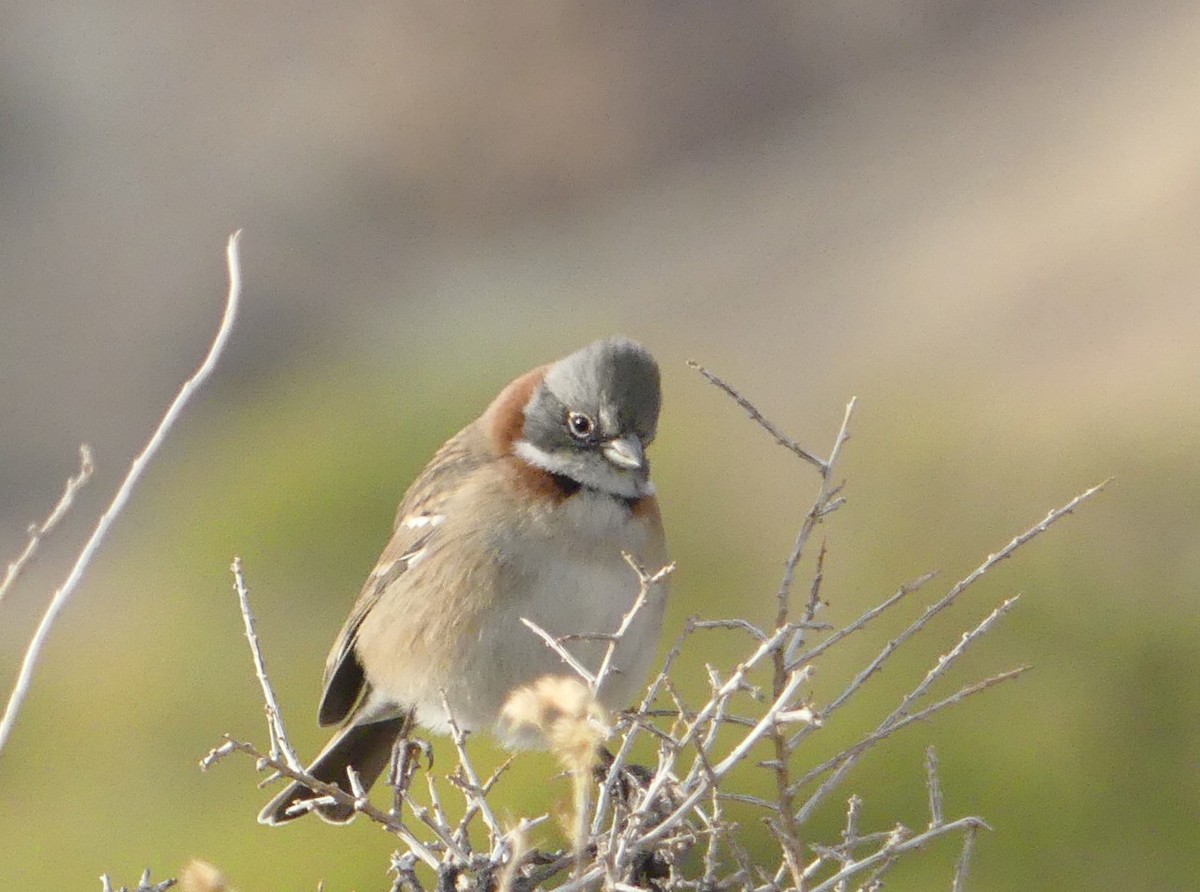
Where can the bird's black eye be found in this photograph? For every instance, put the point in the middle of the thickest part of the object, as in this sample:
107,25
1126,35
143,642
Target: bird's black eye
580,425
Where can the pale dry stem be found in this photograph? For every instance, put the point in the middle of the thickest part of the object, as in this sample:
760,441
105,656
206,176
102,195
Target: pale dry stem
39,531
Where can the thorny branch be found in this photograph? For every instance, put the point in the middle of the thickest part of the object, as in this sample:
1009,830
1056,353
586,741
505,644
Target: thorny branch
280,747
633,832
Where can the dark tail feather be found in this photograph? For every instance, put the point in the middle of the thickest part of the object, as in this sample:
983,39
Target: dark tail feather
366,746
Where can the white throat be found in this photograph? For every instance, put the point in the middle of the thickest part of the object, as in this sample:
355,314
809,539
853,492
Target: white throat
602,475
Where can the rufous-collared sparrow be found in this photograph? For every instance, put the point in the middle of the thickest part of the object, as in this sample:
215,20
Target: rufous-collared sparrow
526,512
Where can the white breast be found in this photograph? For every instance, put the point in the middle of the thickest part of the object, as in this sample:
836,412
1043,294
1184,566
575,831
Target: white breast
575,583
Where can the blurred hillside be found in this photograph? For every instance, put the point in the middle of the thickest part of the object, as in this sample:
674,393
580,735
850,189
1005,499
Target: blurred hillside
981,220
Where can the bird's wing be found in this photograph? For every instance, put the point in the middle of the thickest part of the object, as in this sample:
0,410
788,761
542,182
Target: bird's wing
417,520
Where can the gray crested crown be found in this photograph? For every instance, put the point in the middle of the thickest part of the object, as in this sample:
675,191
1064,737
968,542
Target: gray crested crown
614,382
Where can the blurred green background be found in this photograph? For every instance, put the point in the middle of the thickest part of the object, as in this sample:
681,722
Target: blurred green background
981,220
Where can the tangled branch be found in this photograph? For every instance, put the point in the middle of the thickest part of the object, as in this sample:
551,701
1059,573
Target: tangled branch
631,823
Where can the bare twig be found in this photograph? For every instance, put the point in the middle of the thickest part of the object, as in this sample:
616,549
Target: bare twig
900,594
962,585
717,703
281,747
136,470
476,794
947,659
955,591
883,733
781,438
766,723
964,860
567,657
850,838
38,531
332,792
785,828
735,756
894,849
934,783
646,583
434,817
741,624
595,680
824,503
900,712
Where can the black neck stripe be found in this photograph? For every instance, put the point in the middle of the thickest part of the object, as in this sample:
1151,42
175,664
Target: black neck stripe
568,486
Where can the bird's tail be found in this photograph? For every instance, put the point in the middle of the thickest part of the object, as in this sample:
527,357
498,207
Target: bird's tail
365,745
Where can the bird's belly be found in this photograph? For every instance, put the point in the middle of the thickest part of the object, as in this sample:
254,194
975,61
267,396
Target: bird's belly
564,595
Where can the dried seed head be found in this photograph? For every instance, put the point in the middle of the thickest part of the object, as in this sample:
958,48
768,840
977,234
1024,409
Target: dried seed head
200,876
559,712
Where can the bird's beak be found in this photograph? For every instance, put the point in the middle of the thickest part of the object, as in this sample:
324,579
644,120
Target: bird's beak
625,452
